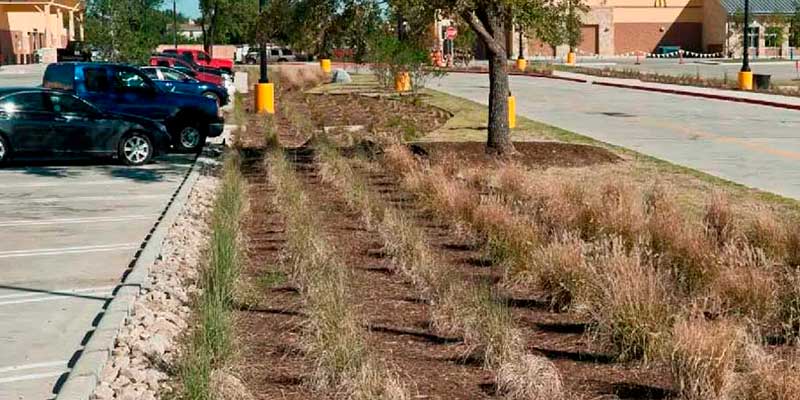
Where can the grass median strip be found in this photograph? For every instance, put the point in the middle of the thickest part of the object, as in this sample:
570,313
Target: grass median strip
210,343
333,339
457,307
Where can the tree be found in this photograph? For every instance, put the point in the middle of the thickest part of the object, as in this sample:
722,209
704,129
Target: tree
125,30
227,21
794,27
489,20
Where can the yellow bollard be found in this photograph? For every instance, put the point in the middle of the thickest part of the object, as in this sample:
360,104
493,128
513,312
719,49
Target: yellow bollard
265,98
325,64
570,58
746,80
522,64
402,82
512,112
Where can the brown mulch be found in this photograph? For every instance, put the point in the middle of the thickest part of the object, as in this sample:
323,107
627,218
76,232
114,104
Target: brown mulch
529,154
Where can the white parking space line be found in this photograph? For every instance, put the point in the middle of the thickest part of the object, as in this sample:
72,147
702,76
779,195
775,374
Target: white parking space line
64,183
105,295
31,377
15,368
87,220
84,198
68,250
52,292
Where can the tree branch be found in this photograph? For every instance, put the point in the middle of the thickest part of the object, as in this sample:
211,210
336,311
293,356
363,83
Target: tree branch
494,47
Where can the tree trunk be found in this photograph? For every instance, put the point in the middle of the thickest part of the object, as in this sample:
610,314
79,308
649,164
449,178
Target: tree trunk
499,138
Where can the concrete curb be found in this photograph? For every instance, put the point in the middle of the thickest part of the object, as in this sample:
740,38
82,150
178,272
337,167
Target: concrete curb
85,375
712,96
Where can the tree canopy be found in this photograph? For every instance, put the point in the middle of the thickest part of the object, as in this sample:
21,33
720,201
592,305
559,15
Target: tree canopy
126,30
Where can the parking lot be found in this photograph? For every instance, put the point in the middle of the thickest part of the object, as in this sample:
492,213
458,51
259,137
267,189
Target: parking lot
68,233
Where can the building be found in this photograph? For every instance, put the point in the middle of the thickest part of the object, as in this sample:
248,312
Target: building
627,27
29,25
189,30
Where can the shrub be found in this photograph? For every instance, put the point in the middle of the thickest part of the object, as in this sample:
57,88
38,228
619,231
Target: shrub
628,301
719,219
703,357
769,378
529,378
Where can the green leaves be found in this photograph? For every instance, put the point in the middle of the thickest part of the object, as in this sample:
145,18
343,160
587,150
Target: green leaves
125,30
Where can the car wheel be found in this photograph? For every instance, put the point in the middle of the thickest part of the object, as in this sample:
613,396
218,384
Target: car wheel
190,139
212,96
5,150
136,149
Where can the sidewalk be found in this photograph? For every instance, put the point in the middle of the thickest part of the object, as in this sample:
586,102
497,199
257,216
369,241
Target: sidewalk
764,99
21,69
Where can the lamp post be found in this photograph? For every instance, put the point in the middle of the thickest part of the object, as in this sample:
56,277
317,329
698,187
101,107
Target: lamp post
265,91
745,74
175,22
262,52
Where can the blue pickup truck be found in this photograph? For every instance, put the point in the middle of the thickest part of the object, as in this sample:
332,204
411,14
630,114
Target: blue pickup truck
124,89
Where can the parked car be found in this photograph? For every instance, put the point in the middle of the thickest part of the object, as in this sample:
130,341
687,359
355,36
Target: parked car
173,80
75,51
203,58
274,55
203,75
37,122
124,89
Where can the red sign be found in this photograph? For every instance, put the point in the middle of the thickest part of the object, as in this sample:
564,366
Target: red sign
451,32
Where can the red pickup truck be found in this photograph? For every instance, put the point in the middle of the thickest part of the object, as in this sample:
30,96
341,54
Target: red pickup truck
202,58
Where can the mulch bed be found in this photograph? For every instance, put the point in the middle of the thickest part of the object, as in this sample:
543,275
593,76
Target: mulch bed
271,362
530,154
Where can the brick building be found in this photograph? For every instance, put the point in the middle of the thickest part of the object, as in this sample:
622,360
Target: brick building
29,25
620,27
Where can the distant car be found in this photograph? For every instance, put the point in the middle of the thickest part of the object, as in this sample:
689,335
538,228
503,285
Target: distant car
75,51
124,89
203,58
201,74
36,122
274,55
173,80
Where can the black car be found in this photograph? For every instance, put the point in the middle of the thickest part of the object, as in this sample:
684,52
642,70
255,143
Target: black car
36,122
75,51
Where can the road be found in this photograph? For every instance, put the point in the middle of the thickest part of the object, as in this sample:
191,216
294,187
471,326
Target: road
68,232
753,145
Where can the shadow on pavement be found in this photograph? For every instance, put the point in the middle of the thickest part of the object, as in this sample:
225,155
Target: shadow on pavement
165,167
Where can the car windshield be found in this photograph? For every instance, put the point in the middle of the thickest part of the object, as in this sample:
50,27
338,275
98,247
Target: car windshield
23,102
150,72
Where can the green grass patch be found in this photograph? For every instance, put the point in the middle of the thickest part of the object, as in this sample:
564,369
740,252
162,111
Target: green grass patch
210,344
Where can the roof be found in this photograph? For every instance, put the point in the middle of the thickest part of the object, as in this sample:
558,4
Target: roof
761,6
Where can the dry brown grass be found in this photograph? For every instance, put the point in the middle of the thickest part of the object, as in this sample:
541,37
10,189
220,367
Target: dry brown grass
703,358
769,378
559,269
298,77
629,301
746,285
529,378
719,219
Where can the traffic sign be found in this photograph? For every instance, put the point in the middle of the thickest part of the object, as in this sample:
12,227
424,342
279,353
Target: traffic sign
451,32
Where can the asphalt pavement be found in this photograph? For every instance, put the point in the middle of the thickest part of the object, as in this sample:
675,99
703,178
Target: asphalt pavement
68,233
754,145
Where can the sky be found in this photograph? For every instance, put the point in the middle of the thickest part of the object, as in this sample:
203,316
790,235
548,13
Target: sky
188,8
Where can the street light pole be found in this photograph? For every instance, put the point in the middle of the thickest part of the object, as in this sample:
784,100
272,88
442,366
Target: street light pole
262,52
746,55
175,22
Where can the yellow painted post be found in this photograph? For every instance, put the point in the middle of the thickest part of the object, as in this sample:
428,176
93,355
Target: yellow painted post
746,80
402,82
512,112
522,64
570,58
265,98
325,64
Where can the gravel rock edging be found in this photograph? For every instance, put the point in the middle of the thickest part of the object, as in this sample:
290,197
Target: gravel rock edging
118,361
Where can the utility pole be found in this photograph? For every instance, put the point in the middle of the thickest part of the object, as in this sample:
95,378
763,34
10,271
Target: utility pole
175,22
262,52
